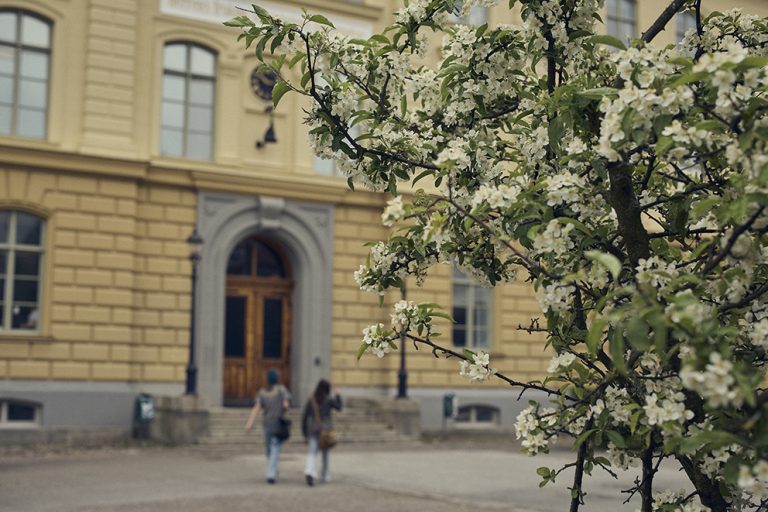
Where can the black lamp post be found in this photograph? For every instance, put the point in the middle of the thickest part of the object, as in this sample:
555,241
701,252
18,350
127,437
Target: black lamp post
402,374
194,241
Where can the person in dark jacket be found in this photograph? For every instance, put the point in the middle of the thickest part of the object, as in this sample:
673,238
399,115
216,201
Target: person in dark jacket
319,407
273,400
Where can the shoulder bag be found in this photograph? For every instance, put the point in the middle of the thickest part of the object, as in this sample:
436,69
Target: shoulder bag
326,437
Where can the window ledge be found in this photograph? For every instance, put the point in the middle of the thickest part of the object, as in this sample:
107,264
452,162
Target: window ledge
25,338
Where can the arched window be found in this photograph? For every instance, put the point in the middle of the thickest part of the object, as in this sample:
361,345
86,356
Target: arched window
621,19
189,80
21,270
25,54
252,257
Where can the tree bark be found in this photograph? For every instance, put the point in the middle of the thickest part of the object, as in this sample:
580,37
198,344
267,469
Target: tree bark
708,491
627,207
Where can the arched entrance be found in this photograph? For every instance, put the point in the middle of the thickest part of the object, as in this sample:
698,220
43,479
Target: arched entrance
257,318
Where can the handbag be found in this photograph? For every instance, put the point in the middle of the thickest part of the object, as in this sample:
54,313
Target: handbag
283,431
327,438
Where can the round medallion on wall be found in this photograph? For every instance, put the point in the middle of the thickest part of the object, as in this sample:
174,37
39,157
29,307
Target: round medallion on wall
262,83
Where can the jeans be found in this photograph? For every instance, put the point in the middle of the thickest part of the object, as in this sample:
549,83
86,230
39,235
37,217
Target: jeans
311,467
272,446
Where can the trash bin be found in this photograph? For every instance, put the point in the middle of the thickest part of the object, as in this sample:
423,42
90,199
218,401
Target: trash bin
143,415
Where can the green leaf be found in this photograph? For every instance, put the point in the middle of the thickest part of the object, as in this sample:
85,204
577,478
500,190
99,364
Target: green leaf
609,40
595,335
609,261
616,438
279,91
320,19
361,350
597,93
687,78
616,342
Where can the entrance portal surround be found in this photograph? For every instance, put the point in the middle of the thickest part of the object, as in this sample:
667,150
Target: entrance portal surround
305,231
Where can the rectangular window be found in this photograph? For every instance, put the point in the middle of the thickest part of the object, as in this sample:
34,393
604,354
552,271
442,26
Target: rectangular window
188,94
621,19
471,312
21,268
25,51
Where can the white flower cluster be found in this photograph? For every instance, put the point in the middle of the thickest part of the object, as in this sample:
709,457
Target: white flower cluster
712,463
496,197
528,427
616,401
394,211
377,339
564,188
656,272
477,370
404,313
664,499
556,297
620,459
669,413
346,102
555,239
757,325
720,33
715,383
639,68
564,361
754,480
456,152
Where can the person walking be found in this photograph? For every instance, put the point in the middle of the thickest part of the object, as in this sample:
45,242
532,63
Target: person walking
273,400
316,424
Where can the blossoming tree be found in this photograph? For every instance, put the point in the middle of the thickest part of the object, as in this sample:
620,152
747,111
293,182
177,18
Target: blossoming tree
628,185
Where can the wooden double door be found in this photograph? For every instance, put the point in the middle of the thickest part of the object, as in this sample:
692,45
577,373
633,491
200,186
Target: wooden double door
258,323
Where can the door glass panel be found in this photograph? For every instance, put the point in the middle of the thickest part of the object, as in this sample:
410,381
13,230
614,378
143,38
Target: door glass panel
273,328
239,263
268,262
234,335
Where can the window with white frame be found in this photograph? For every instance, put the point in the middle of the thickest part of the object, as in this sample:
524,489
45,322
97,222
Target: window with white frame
21,270
189,82
19,414
621,18
685,21
25,54
471,312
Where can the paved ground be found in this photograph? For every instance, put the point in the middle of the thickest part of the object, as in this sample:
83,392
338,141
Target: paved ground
424,480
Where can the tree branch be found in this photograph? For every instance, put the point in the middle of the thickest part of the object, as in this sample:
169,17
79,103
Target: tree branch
578,476
662,20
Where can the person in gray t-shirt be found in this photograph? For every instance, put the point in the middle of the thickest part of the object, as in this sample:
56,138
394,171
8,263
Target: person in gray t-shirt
274,400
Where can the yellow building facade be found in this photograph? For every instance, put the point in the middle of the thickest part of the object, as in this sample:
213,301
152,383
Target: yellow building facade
127,125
